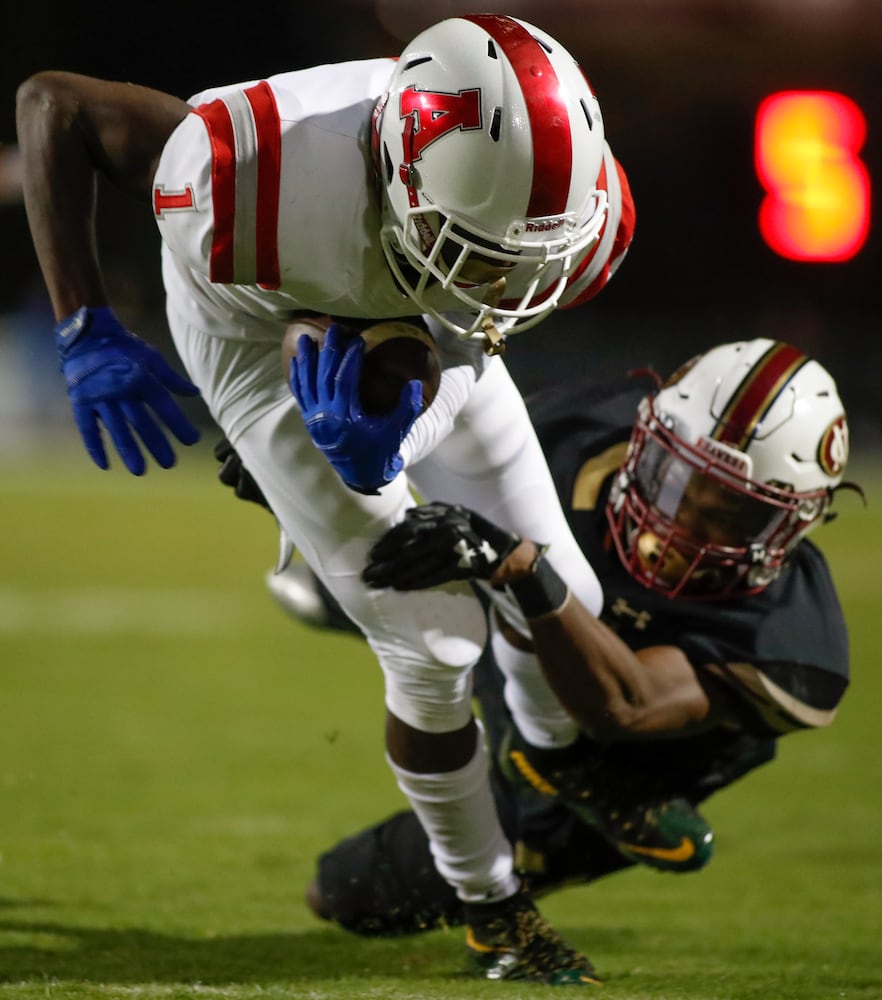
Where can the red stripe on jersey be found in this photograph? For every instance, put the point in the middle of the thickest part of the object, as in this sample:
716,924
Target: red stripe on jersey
756,394
269,171
223,188
546,111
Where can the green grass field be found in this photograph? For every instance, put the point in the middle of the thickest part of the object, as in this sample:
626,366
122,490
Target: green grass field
174,752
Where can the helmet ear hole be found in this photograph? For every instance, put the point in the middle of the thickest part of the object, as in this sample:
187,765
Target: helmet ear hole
495,123
588,117
416,61
388,168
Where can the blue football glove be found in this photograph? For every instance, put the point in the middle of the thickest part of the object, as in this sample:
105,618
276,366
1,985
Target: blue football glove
363,448
116,379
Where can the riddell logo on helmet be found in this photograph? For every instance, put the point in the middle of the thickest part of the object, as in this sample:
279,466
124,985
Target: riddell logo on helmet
427,234
546,226
725,455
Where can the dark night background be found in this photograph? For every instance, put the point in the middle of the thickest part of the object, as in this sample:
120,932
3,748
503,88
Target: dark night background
679,82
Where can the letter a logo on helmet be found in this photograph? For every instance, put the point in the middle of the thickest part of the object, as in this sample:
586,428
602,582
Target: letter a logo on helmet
432,115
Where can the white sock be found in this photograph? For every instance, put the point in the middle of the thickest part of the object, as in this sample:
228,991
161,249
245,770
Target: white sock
534,706
457,811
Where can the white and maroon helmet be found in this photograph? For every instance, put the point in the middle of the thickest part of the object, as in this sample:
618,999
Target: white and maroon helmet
730,464
489,140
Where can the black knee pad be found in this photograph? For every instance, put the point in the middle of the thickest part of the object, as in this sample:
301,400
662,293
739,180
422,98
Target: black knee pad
382,882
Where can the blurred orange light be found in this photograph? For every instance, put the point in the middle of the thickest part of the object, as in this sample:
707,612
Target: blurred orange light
817,205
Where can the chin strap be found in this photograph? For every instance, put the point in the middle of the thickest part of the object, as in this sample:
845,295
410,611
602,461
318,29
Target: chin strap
494,341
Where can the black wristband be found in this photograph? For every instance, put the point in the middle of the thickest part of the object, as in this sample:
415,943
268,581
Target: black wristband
542,592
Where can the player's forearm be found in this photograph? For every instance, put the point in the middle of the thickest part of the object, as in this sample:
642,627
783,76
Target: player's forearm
59,193
436,423
599,680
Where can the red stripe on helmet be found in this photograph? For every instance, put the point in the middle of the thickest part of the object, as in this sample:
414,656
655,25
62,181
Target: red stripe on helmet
758,391
223,188
586,260
546,110
269,172
621,241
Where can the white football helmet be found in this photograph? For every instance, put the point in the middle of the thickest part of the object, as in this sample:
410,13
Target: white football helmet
729,465
488,142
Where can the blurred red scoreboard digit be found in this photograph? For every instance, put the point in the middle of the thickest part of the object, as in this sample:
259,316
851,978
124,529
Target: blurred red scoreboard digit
807,153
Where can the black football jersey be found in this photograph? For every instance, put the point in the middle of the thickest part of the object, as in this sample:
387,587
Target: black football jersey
784,650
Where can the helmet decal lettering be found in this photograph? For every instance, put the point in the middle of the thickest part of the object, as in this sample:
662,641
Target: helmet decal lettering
433,115
428,116
726,456
426,233
833,447
759,389
546,226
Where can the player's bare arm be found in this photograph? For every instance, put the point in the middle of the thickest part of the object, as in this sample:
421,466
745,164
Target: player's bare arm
614,693
72,128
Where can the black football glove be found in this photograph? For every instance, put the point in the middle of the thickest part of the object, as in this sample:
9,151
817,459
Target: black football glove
437,543
233,473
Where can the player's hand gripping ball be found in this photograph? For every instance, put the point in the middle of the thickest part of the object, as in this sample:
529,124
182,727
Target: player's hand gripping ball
395,353
359,394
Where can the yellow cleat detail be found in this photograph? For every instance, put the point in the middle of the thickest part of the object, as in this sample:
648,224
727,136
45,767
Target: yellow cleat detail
530,774
682,852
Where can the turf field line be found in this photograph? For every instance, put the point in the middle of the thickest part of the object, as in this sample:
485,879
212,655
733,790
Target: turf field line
109,611
165,484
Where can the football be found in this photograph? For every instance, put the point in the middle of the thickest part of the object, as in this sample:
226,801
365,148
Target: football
395,352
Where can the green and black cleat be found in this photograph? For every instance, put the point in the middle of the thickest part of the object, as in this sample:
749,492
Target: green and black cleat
670,835
665,833
511,940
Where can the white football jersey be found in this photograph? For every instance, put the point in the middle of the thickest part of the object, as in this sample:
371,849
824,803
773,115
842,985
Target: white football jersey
267,192
266,189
